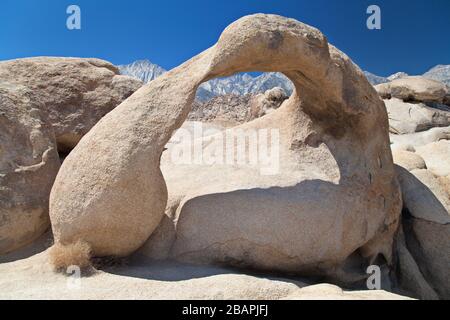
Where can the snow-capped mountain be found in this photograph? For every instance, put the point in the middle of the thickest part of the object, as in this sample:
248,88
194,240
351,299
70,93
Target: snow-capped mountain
244,83
270,80
439,73
374,79
397,75
142,69
239,84
235,84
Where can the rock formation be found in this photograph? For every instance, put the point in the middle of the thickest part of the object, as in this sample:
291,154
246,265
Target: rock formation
437,157
405,117
46,105
413,140
231,109
334,195
265,103
415,104
74,93
426,225
414,89
28,166
422,244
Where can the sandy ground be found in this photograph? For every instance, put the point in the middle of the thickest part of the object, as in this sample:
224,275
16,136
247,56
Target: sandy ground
27,275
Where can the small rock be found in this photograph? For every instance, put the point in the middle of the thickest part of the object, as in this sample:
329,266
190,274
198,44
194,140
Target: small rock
408,160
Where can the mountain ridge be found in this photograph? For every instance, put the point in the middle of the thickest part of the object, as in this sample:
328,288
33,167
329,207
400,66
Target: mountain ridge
143,70
244,83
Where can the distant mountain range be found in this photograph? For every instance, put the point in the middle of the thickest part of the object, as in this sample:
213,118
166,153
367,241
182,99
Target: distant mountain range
239,84
244,83
440,73
142,69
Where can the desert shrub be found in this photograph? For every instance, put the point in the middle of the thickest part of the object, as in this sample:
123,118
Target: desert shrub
75,254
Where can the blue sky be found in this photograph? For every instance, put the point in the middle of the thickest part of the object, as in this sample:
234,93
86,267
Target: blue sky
415,34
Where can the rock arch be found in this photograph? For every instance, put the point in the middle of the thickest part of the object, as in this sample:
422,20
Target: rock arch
111,193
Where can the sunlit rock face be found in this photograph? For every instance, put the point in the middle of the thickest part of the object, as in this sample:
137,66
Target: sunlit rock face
329,194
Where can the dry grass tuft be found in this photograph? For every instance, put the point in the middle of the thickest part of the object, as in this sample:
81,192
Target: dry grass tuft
75,254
